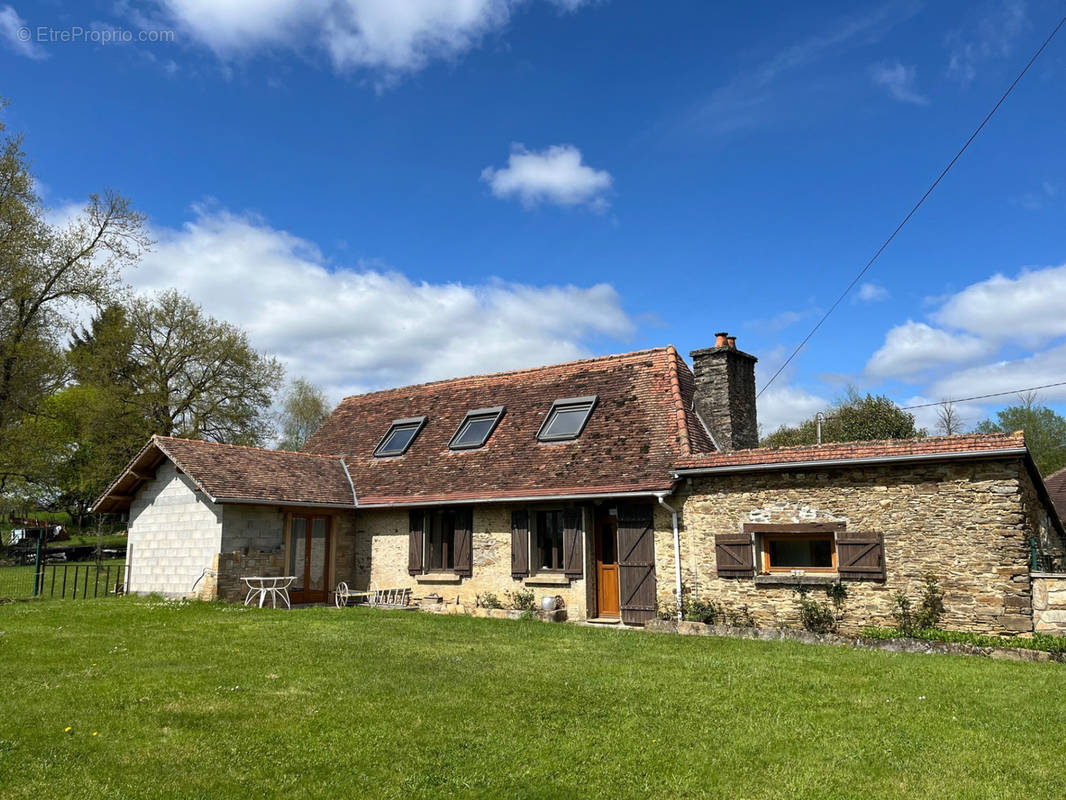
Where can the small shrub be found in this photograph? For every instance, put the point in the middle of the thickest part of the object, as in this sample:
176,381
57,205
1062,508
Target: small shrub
819,616
931,607
926,616
523,600
705,611
488,600
741,618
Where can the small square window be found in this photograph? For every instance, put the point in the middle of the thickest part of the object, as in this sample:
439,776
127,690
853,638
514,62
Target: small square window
399,437
566,419
476,428
812,552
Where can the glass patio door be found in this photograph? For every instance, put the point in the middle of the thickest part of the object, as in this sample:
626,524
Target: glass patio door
309,558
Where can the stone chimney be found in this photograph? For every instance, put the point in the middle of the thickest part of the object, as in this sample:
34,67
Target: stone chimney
725,393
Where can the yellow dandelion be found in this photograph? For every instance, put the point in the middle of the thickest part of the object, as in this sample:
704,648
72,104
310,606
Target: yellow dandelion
68,729
94,733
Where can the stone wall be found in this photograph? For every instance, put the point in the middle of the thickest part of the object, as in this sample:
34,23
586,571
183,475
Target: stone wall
967,523
1050,547
381,558
174,535
1049,602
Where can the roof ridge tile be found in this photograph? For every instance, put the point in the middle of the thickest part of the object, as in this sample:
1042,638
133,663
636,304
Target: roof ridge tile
509,373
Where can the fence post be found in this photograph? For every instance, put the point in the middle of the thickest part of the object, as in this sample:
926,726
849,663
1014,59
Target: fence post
38,566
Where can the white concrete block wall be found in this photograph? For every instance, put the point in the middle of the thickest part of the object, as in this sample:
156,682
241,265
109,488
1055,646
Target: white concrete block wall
257,528
174,534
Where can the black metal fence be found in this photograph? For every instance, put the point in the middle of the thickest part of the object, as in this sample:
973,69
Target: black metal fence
42,577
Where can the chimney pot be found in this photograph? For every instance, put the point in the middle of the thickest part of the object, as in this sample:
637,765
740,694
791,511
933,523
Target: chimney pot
732,341
720,339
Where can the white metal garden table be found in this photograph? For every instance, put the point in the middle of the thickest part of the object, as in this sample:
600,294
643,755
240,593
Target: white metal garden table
261,587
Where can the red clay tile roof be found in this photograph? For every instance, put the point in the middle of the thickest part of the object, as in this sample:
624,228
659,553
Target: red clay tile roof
1056,487
840,451
641,426
229,472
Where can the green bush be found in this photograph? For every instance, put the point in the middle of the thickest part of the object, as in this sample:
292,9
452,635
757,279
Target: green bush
820,616
927,615
523,600
488,600
705,611
741,618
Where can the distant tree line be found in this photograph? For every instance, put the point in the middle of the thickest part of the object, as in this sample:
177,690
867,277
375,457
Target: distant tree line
78,399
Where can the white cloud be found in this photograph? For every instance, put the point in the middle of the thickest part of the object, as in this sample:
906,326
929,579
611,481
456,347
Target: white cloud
554,175
872,293
1028,308
899,81
1048,366
914,347
394,36
787,405
992,35
17,35
356,328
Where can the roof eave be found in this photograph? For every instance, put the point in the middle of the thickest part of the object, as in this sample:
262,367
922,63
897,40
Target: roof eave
520,498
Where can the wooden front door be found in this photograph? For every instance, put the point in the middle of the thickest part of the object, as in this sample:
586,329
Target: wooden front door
309,550
607,568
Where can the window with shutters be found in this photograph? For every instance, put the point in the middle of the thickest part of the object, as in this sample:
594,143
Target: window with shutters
548,547
440,541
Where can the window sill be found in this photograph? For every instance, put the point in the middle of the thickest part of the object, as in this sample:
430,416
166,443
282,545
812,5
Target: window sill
547,579
439,577
785,579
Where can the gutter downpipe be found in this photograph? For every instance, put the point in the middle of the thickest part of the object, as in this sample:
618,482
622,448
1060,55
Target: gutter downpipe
677,552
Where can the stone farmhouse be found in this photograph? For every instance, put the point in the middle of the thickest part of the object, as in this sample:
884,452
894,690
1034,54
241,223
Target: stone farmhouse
615,483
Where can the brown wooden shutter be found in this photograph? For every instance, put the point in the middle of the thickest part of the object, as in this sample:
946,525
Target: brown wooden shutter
519,543
636,563
464,550
861,556
573,552
734,555
414,542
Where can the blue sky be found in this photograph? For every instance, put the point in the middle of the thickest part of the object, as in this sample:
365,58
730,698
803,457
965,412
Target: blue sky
386,192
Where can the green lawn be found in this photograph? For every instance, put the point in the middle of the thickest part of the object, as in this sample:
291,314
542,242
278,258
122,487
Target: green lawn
213,701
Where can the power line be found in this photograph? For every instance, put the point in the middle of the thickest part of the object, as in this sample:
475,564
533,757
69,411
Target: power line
912,212
983,396
825,416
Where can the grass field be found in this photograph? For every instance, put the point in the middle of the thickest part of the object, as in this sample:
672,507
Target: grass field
205,700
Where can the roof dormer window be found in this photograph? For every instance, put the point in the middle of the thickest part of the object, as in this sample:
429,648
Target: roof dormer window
566,419
476,428
399,437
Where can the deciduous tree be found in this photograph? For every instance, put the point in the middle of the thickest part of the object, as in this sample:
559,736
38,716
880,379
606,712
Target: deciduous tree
853,418
1045,431
304,409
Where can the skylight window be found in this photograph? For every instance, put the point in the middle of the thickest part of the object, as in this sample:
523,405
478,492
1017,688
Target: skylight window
399,437
566,419
476,428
